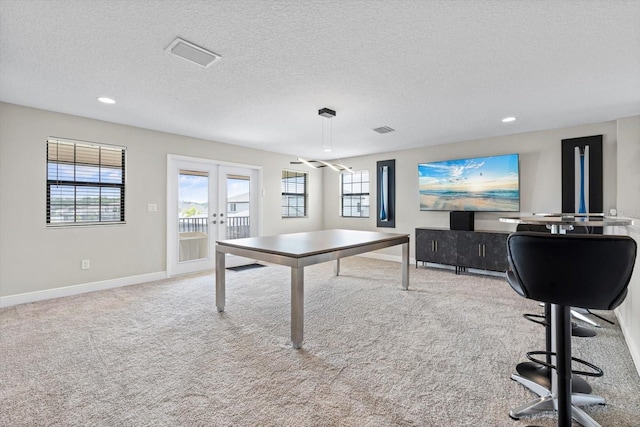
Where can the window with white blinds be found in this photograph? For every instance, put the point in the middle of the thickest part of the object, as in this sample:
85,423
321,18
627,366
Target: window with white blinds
354,194
294,194
85,183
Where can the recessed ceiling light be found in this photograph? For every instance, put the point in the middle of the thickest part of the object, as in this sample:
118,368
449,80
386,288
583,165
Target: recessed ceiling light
106,100
508,119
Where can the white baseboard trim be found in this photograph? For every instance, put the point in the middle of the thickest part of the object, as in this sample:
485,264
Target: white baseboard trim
82,288
634,348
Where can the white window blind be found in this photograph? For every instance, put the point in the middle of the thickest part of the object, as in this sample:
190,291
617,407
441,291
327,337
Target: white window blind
85,183
354,194
294,194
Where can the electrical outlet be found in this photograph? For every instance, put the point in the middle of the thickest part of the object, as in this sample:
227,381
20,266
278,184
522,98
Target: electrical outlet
86,264
152,207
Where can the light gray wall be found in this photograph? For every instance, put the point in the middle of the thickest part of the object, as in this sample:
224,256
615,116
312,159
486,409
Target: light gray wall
629,167
540,177
36,258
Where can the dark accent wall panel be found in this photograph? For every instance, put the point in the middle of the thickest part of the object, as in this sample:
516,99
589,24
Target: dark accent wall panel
595,173
386,210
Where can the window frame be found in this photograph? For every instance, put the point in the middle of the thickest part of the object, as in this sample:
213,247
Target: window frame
289,194
361,194
75,183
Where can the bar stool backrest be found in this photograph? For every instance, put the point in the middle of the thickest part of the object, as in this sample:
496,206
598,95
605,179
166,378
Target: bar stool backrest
587,270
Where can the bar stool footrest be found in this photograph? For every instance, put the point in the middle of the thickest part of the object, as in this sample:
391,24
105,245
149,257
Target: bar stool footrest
597,372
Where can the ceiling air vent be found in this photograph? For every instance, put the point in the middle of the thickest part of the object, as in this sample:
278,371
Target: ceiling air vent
384,129
192,53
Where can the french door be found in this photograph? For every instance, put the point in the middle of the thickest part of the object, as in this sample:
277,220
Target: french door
207,201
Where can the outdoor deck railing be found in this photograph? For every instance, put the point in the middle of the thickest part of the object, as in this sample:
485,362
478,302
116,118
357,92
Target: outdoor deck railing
237,226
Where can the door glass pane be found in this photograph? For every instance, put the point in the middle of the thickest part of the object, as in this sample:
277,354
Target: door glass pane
193,215
238,208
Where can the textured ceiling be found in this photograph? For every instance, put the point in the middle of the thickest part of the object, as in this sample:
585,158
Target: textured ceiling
436,71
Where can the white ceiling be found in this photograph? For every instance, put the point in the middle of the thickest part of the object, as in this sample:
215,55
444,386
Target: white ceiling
436,71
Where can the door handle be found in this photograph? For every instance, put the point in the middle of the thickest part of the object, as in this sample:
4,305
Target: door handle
221,222
213,222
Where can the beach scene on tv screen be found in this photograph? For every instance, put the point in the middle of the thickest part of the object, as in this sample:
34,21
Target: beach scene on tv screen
477,184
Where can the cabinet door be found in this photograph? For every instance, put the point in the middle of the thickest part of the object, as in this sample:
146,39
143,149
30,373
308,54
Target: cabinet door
438,246
470,249
495,251
446,247
487,251
425,245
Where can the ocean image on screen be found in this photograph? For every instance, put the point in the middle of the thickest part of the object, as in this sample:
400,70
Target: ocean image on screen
477,184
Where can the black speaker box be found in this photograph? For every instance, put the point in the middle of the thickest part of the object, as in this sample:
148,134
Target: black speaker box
461,220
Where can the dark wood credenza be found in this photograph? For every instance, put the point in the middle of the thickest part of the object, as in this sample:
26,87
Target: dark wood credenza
484,250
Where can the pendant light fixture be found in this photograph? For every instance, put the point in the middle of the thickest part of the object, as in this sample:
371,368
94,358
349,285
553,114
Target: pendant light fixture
327,145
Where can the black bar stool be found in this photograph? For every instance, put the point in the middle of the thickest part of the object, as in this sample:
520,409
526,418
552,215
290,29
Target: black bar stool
586,271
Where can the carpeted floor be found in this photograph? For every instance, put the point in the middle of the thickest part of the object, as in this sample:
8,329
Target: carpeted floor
159,354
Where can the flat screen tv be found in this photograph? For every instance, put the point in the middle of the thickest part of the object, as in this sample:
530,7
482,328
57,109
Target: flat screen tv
488,184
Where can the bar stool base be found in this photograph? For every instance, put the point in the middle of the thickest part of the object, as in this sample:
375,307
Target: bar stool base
548,403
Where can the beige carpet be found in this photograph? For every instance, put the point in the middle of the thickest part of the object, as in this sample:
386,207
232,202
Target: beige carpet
159,354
